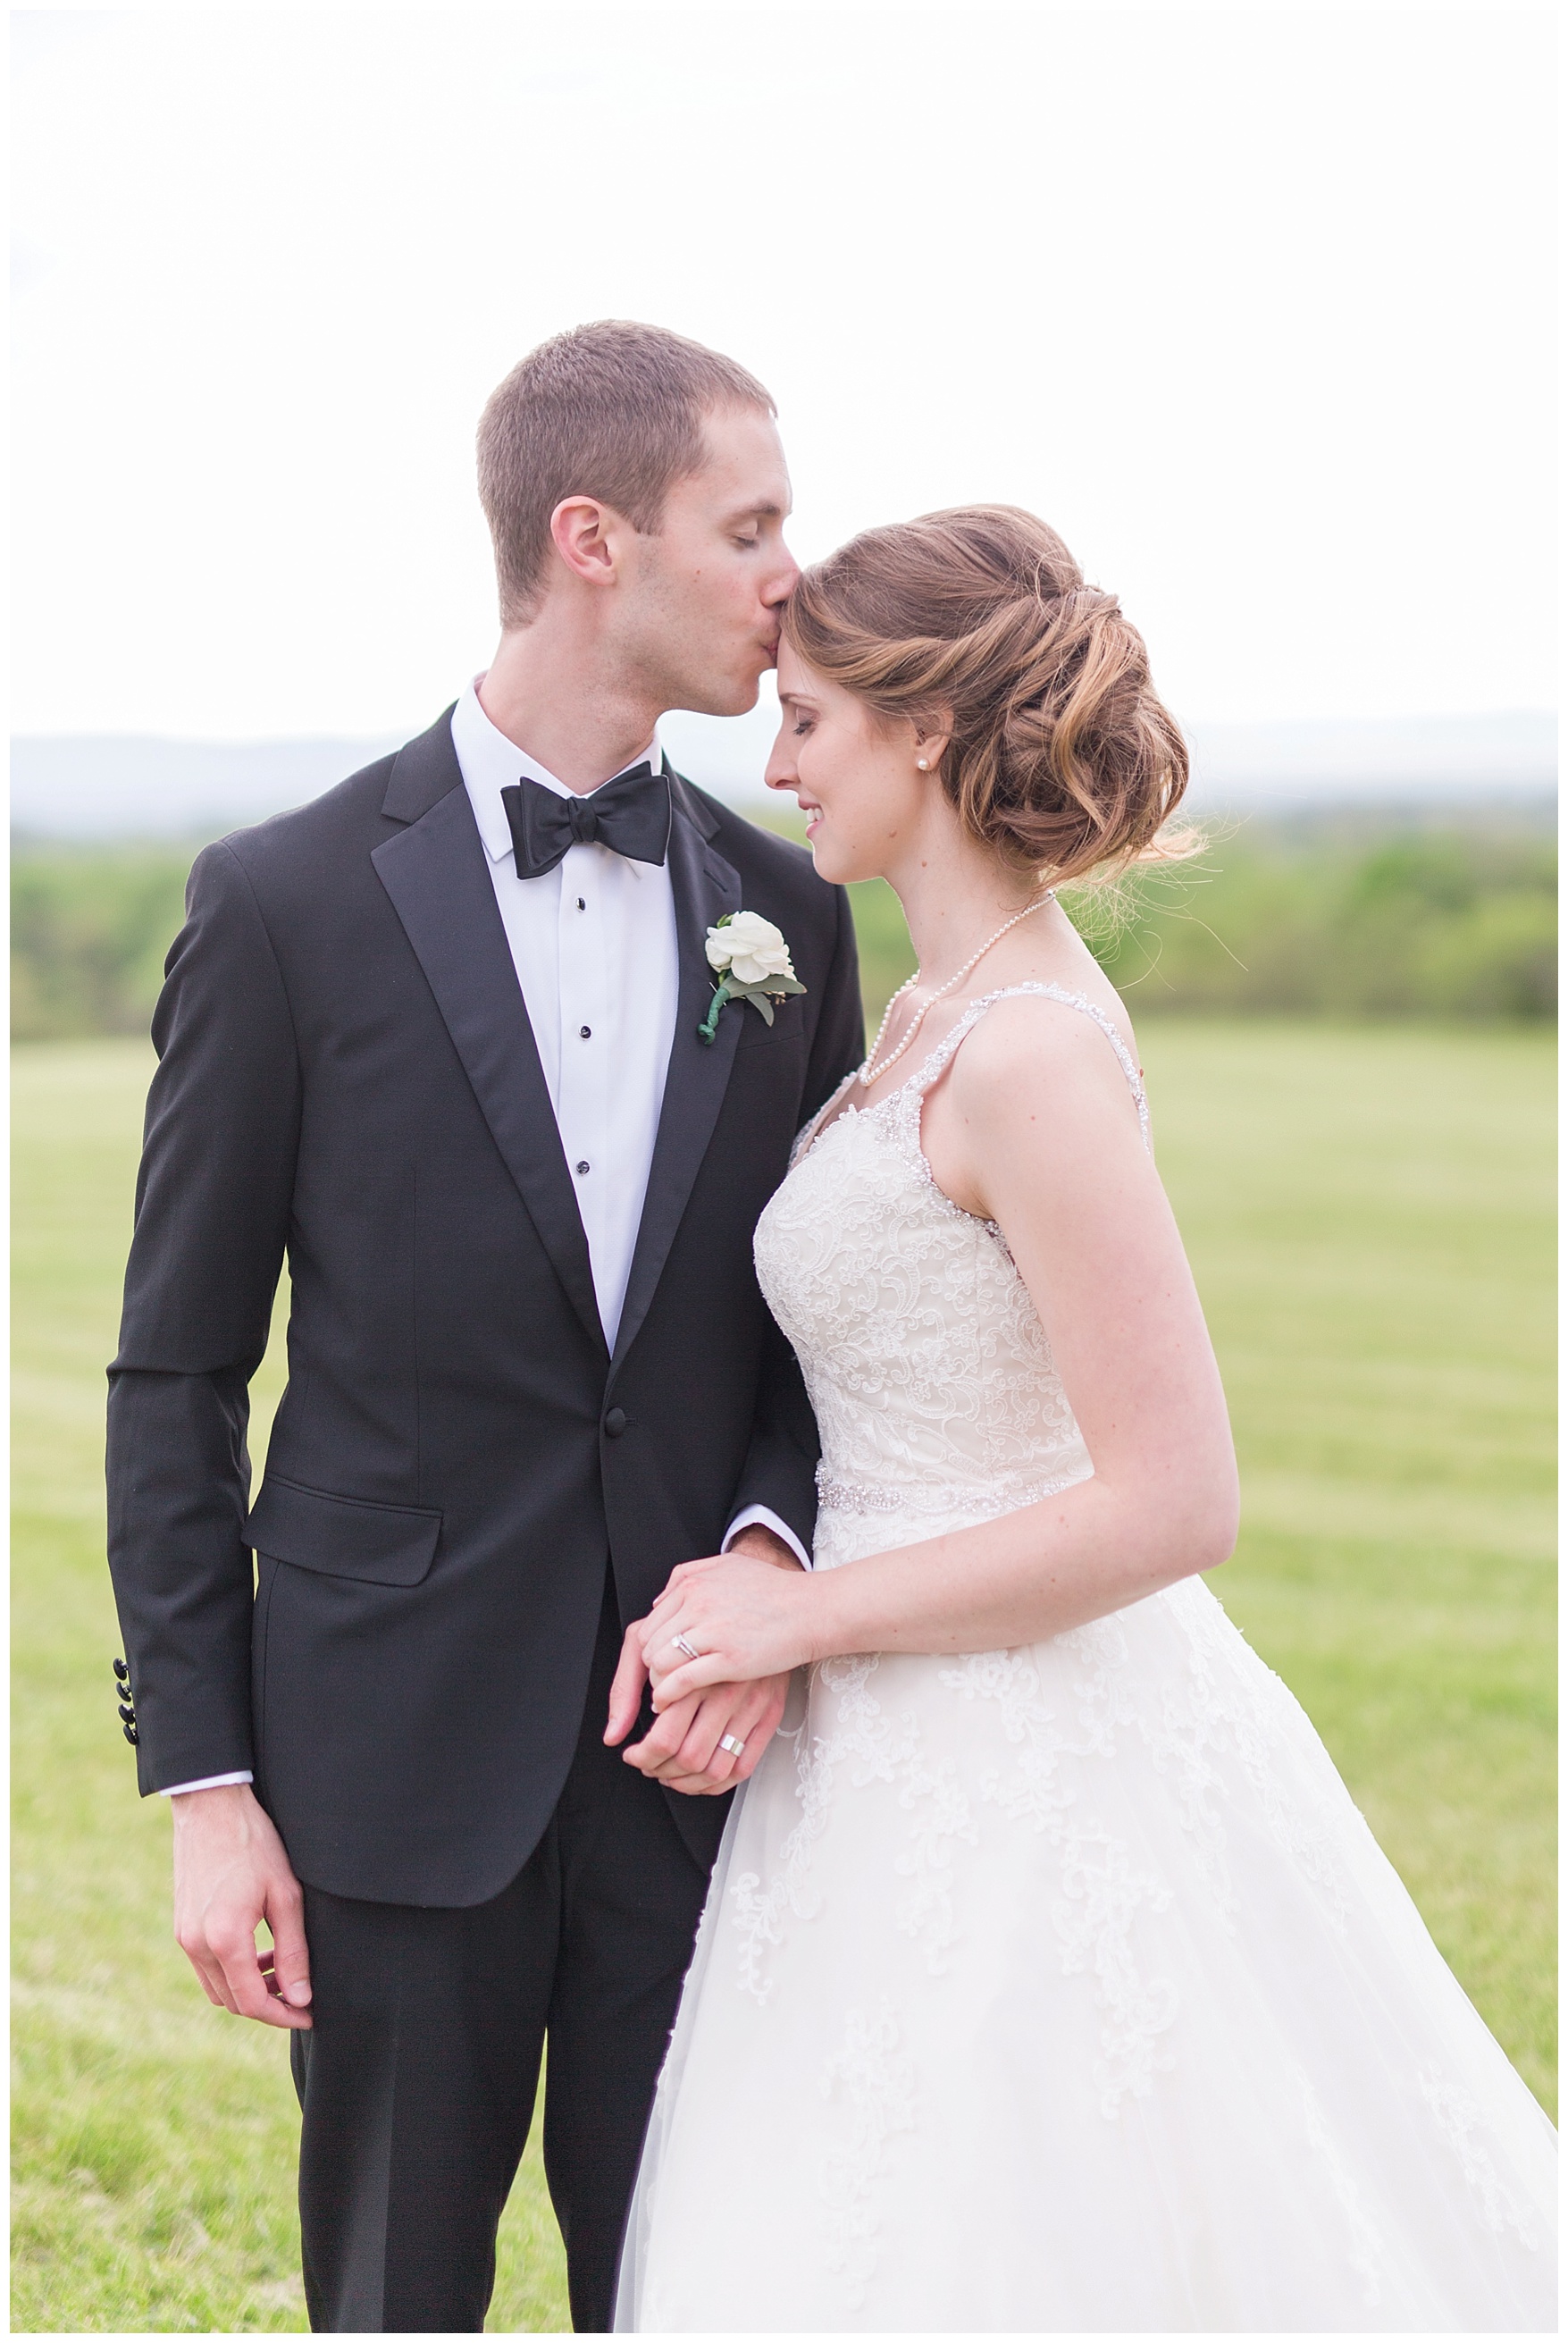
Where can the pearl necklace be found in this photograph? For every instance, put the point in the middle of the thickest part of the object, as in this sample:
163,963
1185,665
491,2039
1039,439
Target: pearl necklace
870,1071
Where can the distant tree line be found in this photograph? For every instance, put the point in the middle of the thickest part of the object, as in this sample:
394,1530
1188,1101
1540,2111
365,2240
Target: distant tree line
90,927
1336,917
1332,918
1321,920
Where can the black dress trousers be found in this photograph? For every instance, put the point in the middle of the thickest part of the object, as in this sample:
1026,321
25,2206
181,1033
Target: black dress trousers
417,2080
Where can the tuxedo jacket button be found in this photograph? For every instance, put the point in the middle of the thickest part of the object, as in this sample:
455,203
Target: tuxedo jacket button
615,1424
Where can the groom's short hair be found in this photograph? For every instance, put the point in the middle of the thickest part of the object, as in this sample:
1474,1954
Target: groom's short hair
612,410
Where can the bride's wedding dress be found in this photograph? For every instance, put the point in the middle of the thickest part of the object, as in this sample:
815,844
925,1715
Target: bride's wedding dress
1061,1988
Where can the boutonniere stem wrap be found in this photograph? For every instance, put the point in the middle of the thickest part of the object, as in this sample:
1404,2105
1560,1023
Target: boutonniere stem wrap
751,961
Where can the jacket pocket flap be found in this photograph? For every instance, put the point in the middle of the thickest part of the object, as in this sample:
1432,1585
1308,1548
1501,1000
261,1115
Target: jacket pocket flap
347,1537
789,1021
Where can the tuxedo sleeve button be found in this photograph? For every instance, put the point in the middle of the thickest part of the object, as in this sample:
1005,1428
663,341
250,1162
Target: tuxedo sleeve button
615,1424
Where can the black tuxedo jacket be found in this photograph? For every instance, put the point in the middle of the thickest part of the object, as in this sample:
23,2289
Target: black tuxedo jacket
347,1076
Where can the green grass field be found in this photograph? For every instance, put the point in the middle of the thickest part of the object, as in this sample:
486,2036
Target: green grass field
1368,1213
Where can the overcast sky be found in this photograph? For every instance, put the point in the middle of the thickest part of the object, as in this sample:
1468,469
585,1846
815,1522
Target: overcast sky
1253,304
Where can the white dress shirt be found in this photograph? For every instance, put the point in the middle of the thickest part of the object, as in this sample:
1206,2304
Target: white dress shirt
595,948
594,945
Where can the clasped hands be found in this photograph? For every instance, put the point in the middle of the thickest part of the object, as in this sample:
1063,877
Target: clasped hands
747,1613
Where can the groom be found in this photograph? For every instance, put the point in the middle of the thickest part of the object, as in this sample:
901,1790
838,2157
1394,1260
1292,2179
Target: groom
434,1039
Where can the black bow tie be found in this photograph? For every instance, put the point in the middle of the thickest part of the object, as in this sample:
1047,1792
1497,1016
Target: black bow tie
630,815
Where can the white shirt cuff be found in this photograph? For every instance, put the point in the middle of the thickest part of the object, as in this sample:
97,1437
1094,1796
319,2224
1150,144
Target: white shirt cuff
209,1782
769,1520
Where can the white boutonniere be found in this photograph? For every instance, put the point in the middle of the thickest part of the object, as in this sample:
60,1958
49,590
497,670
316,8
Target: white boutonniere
751,961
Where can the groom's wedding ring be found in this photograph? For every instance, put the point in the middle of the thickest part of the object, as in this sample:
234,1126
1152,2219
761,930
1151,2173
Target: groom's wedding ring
689,1649
728,1741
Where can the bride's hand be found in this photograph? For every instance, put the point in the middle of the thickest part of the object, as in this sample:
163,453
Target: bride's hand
745,1618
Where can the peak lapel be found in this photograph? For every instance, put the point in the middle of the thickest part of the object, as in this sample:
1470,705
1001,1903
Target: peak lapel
435,873
705,886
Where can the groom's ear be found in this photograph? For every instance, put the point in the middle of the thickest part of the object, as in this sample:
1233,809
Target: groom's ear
590,538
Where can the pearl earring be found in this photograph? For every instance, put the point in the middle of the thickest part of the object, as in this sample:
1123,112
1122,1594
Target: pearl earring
923,764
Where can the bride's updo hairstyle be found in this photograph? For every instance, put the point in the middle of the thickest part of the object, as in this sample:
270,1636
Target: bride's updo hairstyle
1061,758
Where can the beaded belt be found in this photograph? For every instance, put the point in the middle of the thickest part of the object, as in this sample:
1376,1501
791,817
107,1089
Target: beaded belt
941,1497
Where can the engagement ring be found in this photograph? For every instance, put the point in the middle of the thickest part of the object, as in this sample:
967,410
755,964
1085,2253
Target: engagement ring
689,1649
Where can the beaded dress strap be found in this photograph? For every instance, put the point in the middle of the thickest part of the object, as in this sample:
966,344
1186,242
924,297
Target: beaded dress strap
945,1047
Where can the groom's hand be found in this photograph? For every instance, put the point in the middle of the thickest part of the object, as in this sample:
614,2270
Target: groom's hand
231,1873
682,1749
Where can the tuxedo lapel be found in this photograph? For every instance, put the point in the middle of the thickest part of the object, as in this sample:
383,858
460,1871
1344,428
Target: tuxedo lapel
435,873
705,886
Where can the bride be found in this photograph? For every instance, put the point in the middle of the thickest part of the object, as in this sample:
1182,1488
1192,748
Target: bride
1049,1979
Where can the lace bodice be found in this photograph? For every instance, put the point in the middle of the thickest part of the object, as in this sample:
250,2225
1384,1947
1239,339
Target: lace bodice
933,1385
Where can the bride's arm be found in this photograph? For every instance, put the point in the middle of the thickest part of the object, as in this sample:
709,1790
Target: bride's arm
1034,1128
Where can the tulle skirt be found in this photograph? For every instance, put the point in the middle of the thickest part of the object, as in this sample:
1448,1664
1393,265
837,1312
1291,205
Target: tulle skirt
1065,1989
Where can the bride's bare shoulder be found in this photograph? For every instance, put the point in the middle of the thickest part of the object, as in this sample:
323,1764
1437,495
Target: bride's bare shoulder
1049,1035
